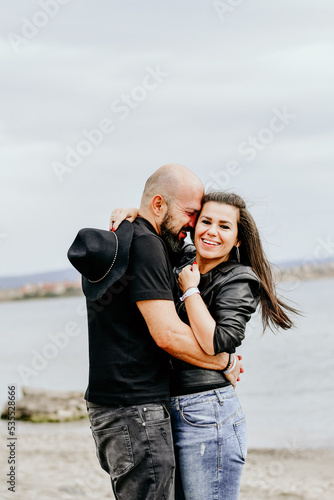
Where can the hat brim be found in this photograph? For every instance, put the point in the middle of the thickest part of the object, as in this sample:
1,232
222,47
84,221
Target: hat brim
94,291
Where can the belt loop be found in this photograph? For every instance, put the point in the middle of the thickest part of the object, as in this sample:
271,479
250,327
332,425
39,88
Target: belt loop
220,399
174,403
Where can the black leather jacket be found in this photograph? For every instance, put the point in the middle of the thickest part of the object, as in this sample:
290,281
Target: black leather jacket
231,292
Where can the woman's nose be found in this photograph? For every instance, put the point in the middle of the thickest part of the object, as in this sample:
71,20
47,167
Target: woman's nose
212,230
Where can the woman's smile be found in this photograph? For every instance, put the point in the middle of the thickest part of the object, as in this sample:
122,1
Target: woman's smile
216,233
210,242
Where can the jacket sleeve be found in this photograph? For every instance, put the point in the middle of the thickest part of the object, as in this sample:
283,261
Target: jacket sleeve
232,308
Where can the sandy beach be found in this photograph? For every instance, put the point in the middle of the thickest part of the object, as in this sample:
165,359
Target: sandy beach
58,461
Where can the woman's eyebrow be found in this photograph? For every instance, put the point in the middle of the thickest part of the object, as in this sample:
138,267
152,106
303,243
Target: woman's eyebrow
220,222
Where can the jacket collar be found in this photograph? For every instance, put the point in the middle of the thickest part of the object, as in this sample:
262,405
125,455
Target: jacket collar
223,267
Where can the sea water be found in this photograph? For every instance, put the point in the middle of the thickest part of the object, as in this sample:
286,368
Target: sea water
287,390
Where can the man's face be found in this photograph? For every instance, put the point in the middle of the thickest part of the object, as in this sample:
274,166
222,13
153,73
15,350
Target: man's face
180,218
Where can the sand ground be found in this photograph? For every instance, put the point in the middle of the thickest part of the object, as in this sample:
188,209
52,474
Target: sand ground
58,461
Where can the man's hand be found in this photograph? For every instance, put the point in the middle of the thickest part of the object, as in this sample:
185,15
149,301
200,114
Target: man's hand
120,214
234,376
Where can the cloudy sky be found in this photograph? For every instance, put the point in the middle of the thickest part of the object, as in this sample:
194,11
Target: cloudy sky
97,95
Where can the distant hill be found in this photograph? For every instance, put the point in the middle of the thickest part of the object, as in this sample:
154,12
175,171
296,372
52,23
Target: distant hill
287,264
70,274
9,282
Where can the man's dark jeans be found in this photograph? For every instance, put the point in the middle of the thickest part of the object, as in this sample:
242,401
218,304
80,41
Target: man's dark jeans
134,445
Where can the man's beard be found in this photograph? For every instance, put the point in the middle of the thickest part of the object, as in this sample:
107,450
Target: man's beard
170,238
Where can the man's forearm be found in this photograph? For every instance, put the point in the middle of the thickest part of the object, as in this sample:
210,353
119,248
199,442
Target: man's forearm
183,345
175,337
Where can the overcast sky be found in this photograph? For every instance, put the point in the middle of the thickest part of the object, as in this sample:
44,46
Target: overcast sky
241,92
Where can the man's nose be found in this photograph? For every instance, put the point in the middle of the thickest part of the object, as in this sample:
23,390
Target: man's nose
192,222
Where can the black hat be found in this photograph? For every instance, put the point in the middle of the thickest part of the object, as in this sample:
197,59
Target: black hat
101,257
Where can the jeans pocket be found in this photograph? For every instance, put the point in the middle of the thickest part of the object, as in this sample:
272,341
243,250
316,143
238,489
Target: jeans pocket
201,414
155,414
240,429
114,451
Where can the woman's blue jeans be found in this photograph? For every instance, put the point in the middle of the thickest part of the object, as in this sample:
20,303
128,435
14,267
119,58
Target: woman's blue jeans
210,440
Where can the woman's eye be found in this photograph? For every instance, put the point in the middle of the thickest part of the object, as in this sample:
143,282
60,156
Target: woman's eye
225,227
205,222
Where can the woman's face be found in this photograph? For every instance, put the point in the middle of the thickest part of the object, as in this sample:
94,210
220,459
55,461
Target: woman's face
216,231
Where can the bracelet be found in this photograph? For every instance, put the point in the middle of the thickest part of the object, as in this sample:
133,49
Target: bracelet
229,363
189,292
232,367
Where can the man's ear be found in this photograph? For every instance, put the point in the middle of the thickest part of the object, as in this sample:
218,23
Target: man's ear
159,206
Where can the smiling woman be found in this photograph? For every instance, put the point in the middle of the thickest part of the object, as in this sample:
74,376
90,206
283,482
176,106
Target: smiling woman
222,280
221,290
216,234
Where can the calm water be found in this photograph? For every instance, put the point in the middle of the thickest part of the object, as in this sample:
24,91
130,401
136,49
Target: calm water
287,390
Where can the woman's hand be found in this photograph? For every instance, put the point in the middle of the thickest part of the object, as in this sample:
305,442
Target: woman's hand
234,376
189,277
120,214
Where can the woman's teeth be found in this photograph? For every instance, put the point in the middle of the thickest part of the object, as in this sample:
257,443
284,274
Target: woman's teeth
213,243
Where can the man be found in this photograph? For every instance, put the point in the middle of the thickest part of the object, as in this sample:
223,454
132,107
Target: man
132,327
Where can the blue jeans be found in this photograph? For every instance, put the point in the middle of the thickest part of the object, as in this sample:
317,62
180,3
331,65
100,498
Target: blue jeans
135,447
210,441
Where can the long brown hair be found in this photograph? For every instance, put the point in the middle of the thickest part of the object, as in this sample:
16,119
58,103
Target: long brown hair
252,254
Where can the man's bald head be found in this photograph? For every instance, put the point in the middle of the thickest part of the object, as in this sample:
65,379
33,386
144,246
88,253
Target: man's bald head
171,201
169,181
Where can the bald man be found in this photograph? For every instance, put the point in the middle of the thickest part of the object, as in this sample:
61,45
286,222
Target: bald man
131,337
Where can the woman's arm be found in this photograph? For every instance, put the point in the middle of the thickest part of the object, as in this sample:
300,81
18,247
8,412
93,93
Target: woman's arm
234,304
202,323
232,307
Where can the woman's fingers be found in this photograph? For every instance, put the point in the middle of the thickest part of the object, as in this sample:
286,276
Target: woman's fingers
234,376
189,277
120,214
112,220
117,216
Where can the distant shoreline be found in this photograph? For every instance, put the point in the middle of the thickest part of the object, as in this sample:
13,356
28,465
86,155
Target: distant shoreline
71,293
303,274
54,289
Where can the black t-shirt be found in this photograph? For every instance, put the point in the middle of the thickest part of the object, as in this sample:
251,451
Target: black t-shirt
125,364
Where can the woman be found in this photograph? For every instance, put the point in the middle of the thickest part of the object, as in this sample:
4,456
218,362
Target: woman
219,292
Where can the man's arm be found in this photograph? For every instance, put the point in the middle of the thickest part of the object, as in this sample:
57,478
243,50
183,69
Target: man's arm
175,337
